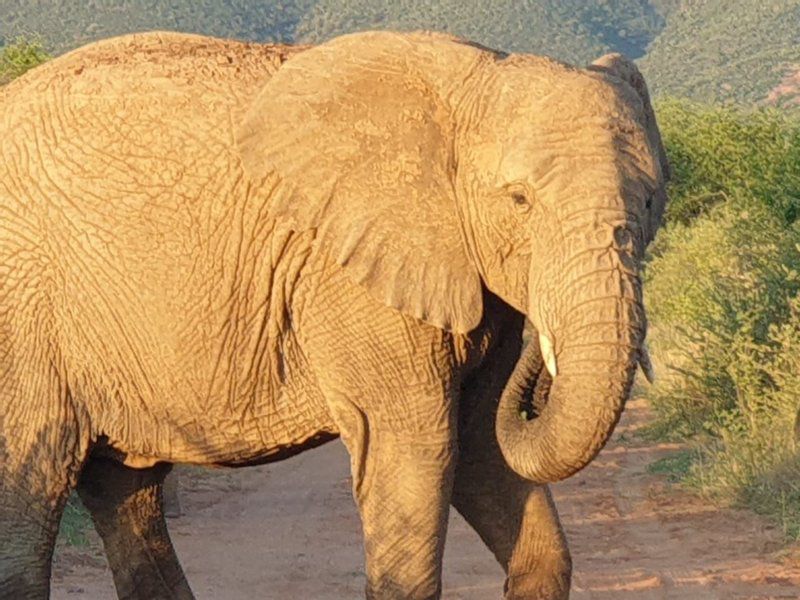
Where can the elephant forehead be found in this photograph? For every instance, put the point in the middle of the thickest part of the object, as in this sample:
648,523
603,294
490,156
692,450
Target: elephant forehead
542,159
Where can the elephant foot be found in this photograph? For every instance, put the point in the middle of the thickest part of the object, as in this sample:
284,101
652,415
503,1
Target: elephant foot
537,586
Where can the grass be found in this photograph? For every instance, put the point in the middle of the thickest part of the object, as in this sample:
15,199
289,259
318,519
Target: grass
674,467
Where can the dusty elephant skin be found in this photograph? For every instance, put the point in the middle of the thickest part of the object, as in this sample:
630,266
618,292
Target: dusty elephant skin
222,253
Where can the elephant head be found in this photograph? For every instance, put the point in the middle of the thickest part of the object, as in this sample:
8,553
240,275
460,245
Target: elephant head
431,167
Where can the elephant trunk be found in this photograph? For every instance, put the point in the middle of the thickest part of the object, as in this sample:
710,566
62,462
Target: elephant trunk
591,347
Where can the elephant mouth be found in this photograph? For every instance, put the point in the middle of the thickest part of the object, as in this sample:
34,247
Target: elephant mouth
536,395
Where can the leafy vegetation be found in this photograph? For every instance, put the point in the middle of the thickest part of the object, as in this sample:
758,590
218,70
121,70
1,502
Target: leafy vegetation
674,467
568,29
67,24
721,153
723,295
19,56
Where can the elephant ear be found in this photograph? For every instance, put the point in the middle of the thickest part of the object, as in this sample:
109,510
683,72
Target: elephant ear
364,146
624,69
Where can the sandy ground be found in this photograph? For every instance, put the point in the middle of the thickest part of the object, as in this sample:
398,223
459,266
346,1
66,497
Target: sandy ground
290,530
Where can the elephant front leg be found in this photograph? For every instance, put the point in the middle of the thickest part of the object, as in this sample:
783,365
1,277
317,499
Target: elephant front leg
402,483
126,507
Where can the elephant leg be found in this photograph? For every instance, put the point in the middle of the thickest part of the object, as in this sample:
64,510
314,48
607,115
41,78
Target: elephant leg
402,482
42,448
126,507
28,529
515,517
30,511
518,522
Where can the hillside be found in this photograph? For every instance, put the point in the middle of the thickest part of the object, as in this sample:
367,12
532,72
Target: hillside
725,50
67,24
572,30
711,50
569,29
787,92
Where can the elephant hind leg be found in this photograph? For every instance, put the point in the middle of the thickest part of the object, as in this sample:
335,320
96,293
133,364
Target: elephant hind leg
514,517
42,448
33,493
521,527
126,507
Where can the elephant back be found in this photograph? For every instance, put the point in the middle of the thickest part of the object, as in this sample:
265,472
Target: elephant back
152,59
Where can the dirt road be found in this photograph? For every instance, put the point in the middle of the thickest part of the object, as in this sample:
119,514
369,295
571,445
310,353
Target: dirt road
290,531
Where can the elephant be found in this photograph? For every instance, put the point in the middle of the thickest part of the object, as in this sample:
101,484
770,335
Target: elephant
224,253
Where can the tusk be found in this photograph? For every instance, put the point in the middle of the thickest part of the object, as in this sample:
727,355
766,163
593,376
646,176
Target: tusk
647,366
548,354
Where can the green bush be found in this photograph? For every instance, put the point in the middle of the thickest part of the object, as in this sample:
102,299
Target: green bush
21,55
723,298
720,153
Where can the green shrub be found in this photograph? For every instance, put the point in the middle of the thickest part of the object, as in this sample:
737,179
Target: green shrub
723,298
714,293
19,56
719,153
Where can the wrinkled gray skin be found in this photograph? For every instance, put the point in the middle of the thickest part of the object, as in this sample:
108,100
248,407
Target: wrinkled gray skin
223,253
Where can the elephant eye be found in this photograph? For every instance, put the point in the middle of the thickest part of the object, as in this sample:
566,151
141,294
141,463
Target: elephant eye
521,201
519,194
